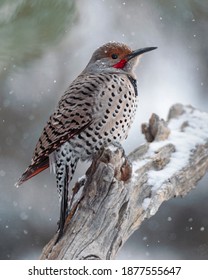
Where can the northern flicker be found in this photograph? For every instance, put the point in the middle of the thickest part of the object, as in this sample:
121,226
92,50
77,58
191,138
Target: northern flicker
97,109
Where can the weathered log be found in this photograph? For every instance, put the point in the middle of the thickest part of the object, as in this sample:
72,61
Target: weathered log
118,193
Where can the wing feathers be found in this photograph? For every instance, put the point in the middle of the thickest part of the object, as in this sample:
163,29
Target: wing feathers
73,114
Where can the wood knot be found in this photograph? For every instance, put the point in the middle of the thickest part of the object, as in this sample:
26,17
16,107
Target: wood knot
115,156
125,171
156,129
175,111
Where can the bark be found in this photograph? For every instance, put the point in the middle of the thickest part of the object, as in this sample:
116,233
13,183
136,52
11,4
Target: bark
119,192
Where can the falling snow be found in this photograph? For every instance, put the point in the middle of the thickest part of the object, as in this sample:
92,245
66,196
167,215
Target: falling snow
15,204
23,216
2,173
22,90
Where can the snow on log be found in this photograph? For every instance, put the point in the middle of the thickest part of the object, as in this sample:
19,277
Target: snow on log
118,193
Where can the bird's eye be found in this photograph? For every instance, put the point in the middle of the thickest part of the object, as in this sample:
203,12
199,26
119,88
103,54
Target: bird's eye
114,56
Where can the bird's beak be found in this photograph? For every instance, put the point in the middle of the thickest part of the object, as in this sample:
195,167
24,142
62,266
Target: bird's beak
139,52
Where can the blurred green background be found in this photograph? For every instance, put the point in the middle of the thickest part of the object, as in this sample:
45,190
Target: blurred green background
44,45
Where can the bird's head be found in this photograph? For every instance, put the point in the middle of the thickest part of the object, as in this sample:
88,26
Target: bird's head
116,57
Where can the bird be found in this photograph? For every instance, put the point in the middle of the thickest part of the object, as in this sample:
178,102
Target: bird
96,110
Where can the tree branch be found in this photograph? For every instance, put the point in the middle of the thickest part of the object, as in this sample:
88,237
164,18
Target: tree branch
118,193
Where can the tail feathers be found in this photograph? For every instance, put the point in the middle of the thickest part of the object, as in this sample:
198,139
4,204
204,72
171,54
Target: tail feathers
64,206
33,170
